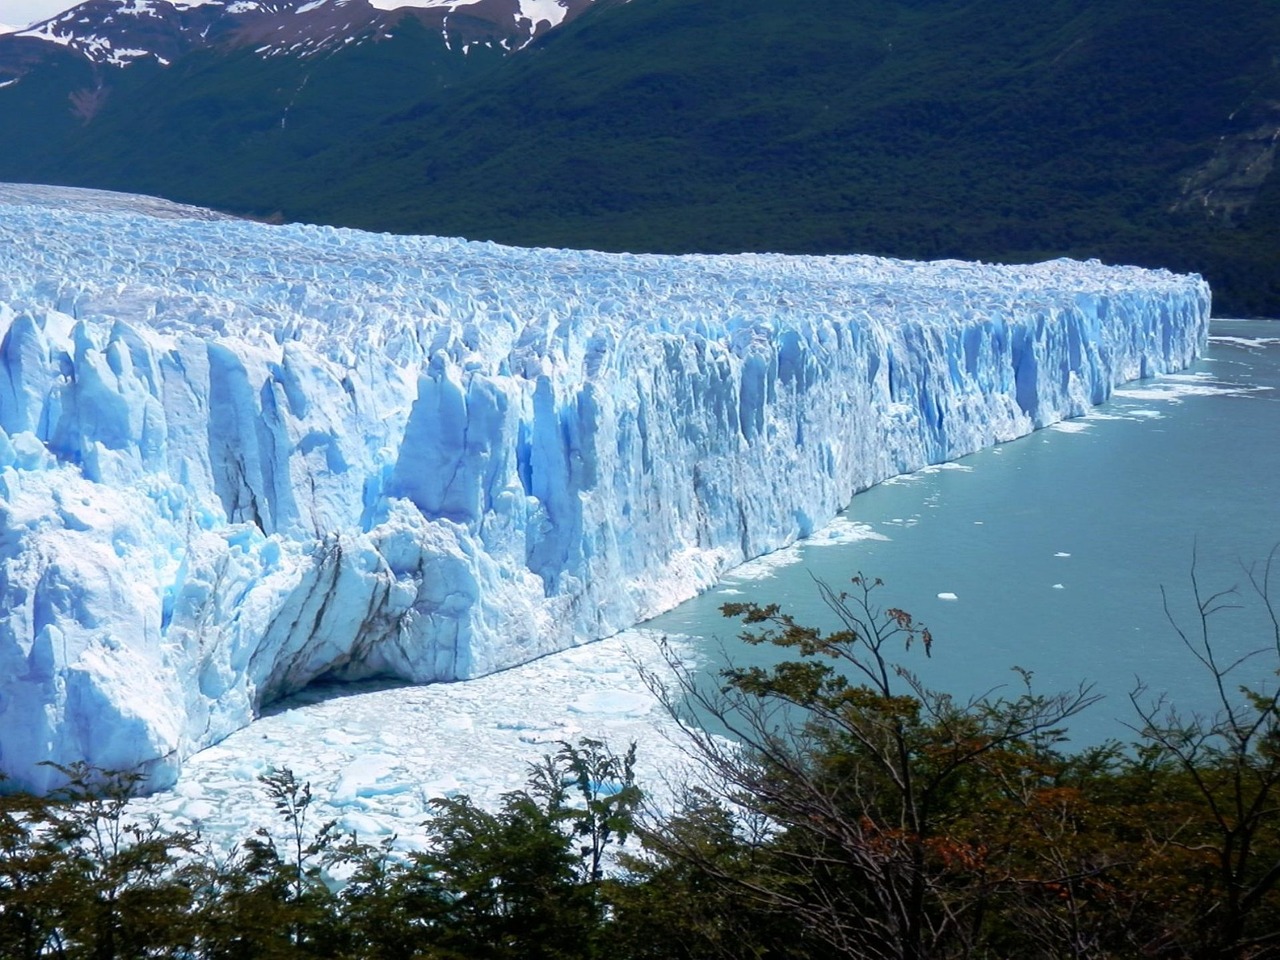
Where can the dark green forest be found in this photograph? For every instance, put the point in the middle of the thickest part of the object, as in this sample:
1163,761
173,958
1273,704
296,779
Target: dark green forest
1138,131
856,814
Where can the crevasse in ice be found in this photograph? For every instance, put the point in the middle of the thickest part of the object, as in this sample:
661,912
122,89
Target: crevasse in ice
235,458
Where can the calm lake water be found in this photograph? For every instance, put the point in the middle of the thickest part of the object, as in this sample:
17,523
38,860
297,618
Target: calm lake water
1050,552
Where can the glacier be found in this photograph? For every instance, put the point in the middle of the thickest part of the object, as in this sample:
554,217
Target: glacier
237,459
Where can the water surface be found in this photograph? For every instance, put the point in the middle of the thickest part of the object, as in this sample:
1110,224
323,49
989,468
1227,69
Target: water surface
1050,552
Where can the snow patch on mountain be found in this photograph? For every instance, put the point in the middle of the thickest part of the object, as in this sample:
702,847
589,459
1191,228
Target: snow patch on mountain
138,8
120,32
104,38
49,30
237,459
551,12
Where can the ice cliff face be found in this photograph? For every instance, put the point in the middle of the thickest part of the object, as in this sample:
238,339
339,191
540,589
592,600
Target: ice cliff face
235,458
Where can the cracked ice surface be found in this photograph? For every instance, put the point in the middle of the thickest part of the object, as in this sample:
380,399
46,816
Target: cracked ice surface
239,458
376,758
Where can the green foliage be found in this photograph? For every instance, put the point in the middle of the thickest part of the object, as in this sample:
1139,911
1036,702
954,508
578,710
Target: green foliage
380,903
984,129
80,879
268,901
1222,774
525,882
503,884
894,821
29,918
855,813
689,895
604,797
868,779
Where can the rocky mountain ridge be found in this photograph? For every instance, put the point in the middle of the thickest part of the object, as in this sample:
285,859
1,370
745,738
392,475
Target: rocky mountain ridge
120,32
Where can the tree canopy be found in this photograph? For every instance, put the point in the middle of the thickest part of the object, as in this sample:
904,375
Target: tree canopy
850,811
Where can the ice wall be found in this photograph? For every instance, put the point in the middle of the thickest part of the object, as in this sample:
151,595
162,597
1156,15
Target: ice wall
235,458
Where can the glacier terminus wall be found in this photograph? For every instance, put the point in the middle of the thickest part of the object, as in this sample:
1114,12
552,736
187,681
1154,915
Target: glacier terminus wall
235,458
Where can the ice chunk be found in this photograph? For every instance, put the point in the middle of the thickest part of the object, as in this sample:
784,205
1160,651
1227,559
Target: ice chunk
617,702
369,776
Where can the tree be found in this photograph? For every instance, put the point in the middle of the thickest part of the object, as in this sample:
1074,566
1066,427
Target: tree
680,898
606,797
29,915
1222,775
854,784
524,881
502,885
376,902
93,882
264,903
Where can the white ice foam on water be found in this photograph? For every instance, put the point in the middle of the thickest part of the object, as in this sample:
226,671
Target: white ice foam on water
612,703
1247,342
1174,387
762,568
947,596
236,459
1071,426
842,530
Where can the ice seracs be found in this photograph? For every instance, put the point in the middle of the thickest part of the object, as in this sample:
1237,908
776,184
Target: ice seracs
237,458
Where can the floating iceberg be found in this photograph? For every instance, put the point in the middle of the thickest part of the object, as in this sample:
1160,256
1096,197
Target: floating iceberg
236,459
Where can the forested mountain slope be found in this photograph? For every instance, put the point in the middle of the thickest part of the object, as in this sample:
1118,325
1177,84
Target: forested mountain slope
1126,130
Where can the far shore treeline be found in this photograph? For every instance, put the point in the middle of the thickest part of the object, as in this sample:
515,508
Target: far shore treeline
858,814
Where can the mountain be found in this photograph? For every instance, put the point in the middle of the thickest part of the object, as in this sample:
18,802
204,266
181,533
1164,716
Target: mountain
60,75
120,32
1139,131
212,95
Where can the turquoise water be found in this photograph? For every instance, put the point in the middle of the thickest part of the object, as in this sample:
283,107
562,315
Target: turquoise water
1050,552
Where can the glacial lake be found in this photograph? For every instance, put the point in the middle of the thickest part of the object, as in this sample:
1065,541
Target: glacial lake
1049,553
